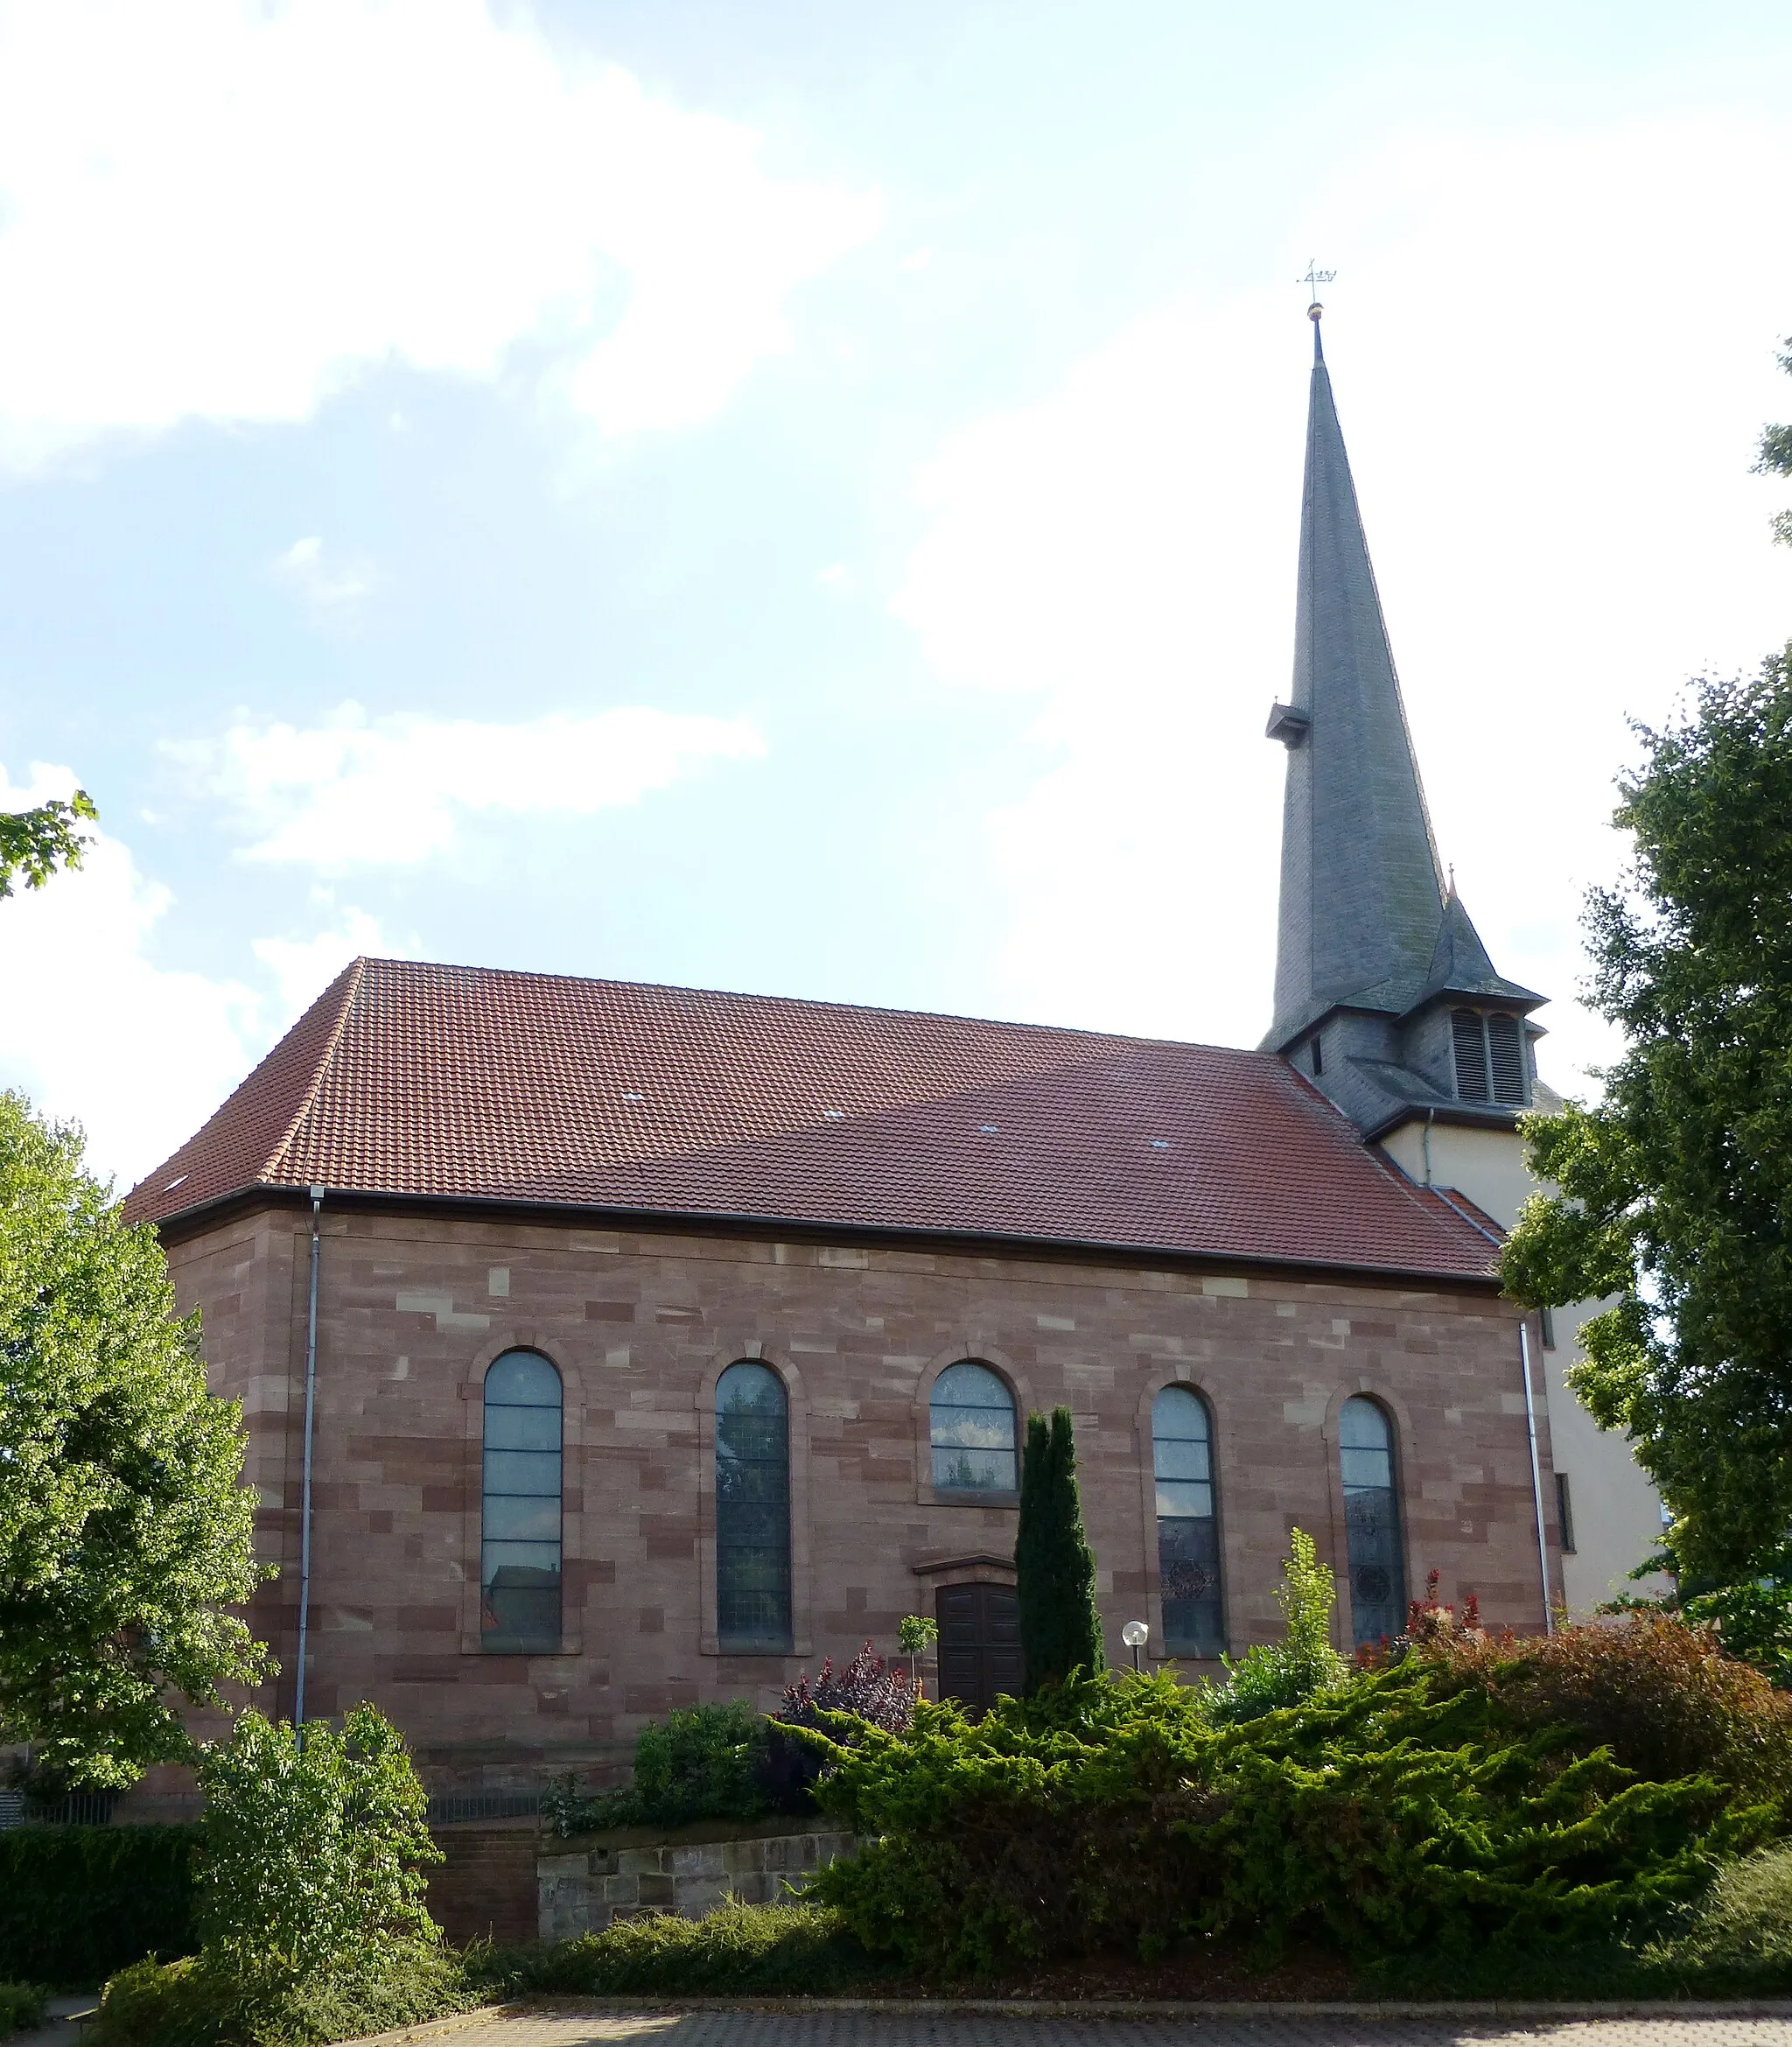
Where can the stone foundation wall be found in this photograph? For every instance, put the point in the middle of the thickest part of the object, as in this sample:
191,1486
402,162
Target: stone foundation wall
584,1888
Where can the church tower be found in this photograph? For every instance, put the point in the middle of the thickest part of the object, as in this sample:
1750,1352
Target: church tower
1384,993
1385,997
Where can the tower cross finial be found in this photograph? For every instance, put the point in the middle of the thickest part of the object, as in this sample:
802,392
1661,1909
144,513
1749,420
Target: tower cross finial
1315,276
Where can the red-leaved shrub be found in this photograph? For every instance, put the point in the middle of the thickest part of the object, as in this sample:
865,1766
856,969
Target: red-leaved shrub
1657,1691
875,1690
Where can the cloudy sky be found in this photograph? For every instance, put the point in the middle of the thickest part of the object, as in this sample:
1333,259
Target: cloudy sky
801,495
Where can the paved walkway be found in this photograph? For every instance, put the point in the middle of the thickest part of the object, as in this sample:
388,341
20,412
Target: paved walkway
1021,2029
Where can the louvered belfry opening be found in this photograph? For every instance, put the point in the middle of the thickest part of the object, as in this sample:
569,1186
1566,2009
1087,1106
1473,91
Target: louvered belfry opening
1506,1058
1489,1057
1471,1055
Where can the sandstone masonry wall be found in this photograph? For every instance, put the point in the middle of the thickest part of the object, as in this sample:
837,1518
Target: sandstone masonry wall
413,1307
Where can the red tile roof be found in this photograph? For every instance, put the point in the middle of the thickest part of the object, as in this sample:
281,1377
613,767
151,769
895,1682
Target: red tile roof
412,1080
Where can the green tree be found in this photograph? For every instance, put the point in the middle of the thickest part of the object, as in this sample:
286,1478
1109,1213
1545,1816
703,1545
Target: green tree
124,1527
312,1854
1775,458
34,843
1060,1624
1675,1190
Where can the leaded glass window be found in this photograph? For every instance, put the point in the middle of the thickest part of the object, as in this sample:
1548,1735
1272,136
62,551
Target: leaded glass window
753,1510
1372,1522
1188,1528
520,1510
970,1424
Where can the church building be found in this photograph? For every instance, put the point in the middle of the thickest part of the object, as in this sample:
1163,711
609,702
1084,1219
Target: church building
606,1348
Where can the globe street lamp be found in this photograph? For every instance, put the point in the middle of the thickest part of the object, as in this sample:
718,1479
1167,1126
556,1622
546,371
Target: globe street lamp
1134,1635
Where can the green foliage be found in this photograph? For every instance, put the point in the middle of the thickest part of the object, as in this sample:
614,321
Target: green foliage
125,1530
699,1762
1775,458
21,2008
1754,1620
1479,1795
916,1634
1054,1569
77,1902
196,2003
702,1763
1675,1200
794,1950
34,843
1271,1675
311,1855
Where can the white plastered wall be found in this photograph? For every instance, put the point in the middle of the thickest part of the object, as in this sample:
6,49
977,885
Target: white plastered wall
1616,1512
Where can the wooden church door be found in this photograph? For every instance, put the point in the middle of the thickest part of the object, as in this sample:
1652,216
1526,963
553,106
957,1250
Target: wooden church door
979,1642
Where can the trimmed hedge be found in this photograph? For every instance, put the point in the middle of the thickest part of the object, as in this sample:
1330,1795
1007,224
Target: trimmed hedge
79,1902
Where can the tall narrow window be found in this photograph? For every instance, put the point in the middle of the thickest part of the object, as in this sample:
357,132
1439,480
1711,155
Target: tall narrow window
1188,1531
520,1515
1547,1317
753,1510
1372,1522
971,1427
1564,1514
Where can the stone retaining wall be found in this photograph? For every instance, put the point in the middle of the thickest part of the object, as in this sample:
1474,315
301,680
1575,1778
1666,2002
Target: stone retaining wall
584,1887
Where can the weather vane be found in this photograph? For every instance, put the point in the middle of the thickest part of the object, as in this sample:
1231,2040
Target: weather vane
1315,277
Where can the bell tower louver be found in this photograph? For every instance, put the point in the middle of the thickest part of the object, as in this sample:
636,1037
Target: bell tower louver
1374,953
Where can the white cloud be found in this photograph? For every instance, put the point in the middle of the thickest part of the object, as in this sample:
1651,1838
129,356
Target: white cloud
329,586
304,968
91,1028
209,208
94,1029
1554,477
389,791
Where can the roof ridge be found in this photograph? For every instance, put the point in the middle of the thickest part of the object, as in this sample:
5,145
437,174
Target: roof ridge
355,973
814,1002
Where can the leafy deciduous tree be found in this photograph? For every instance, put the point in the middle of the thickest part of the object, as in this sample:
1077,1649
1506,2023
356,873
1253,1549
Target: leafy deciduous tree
1060,1624
124,1527
1675,1190
312,1855
32,843
1775,458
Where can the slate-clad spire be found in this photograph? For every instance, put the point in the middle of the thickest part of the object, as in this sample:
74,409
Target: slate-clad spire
1362,890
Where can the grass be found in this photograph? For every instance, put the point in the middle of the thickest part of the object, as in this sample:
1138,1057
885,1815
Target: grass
21,2008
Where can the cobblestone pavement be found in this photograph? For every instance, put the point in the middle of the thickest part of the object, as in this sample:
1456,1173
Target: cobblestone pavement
874,2028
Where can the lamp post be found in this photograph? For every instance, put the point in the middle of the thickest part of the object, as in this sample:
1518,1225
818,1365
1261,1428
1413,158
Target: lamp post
1134,1635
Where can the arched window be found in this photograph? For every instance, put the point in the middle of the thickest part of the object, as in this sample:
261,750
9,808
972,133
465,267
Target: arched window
970,1424
520,1512
1188,1531
1372,1522
753,1510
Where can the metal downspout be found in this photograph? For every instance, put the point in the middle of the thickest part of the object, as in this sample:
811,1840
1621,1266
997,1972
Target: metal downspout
304,1515
1537,1476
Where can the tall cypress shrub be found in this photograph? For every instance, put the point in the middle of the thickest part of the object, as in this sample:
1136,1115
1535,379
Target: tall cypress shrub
1060,1625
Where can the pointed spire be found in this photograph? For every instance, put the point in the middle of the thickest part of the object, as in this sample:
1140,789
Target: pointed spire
1363,888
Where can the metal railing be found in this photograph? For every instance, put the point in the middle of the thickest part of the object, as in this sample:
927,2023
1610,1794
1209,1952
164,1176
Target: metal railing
452,1808
75,1809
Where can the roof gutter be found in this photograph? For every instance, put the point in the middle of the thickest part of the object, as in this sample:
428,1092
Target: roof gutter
743,1222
